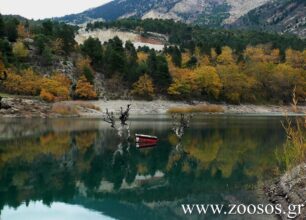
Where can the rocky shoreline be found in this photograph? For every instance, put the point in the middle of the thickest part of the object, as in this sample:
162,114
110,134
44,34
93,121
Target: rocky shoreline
289,189
25,107
162,106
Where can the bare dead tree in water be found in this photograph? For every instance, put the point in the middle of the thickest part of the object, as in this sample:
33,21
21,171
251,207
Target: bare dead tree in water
124,117
123,130
110,118
179,124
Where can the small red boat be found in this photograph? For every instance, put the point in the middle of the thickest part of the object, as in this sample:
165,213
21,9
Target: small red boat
146,139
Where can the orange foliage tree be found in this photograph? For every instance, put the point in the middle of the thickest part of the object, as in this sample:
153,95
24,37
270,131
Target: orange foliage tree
55,88
84,90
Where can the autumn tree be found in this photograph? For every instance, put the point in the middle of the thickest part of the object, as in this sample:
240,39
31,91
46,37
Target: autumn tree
295,58
209,81
55,88
25,83
144,87
213,55
84,68
226,56
285,78
184,84
84,90
22,33
19,50
261,54
237,87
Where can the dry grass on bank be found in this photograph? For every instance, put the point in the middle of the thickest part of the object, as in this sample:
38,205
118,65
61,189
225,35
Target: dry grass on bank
72,108
86,105
293,151
201,108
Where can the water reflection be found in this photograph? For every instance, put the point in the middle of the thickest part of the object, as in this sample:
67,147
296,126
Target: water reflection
221,160
58,211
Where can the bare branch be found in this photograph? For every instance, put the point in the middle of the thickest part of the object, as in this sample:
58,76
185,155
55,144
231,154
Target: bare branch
123,130
124,115
110,118
180,123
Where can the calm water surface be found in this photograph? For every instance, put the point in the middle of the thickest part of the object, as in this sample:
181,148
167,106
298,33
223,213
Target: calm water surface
78,169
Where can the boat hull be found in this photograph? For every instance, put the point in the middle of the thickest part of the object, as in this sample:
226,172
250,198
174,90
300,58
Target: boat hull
146,139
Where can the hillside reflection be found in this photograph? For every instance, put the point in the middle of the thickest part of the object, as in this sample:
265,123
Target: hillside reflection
219,160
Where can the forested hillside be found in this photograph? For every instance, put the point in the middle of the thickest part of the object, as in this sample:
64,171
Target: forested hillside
43,59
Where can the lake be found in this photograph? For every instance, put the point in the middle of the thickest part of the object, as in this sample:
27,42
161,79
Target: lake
78,169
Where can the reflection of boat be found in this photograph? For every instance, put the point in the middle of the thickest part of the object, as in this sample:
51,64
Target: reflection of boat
146,139
145,145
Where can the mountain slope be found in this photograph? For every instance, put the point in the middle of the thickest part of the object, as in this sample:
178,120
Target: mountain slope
284,16
207,12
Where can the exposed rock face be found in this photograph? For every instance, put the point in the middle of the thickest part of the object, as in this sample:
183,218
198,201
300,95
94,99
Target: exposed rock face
153,41
284,16
290,189
199,11
242,7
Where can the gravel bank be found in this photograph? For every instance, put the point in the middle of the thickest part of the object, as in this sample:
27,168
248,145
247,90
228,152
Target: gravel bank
161,107
35,108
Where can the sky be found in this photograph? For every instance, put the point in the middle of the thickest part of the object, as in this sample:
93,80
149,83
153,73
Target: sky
39,9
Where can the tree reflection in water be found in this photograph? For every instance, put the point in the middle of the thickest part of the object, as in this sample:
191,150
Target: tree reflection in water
216,163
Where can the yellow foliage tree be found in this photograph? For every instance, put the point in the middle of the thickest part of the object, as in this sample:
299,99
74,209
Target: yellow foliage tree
58,85
20,50
142,56
184,83
84,90
237,86
25,83
30,83
22,33
226,56
209,81
295,58
213,55
254,54
83,63
47,96
261,54
284,79
144,87
275,56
